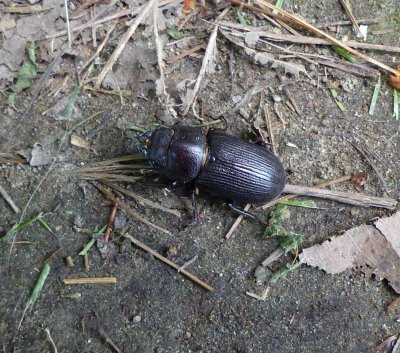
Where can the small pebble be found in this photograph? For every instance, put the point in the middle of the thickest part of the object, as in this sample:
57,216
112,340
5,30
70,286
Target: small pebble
277,98
137,319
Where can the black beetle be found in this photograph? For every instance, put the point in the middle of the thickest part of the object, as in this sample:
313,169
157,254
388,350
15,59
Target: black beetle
218,163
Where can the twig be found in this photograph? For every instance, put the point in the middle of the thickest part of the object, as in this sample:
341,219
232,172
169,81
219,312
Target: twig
184,53
67,22
130,211
269,129
8,200
208,58
309,40
162,91
95,23
109,340
168,262
261,297
141,199
289,94
90,280
276,254
186,264
236,223
288,197
363,21
353,20
333,40
351,198
100,47
365,155
51,340
121,45
110,222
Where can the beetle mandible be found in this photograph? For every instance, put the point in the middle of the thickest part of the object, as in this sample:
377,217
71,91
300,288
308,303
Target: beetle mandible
216,162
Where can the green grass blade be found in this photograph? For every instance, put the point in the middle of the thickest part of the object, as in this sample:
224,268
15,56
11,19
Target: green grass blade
395,104
39,285
87,247
374,98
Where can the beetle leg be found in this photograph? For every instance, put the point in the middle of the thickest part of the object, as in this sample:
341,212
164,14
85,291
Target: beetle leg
245,213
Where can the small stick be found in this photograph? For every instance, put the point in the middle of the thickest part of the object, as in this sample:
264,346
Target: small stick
322,185
184,53
168,262
208,57
276,254
95,23
311,40
130,211
261,297
67,22
365,155
289,94
351,198
51,340
333,40
186,264
70,262
236,223
110,222
121,45
86,261
353,20
109,340
159,50
269,129
363,21
9,200
90,280
100,47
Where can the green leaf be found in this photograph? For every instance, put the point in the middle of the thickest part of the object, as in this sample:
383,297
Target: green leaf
25,77
337,101
289,241
173,32
284,271
241,18
344,53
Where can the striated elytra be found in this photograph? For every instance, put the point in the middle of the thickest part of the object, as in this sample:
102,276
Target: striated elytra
219,164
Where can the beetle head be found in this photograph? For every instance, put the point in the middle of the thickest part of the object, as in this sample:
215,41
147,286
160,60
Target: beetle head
155,145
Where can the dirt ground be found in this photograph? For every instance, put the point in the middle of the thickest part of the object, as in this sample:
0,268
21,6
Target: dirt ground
153,308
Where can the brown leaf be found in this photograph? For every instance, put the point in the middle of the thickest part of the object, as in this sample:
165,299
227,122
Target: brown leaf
390,228
395,80
363,247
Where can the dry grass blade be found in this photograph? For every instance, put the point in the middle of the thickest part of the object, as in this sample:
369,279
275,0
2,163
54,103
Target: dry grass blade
9,200
208,59
141,199
300,39
351,198
115,169
329,37
121,45
168,262
350,15
123,206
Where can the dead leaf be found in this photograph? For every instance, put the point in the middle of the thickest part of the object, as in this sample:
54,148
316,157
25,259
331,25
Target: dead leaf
78,141
363,247
359,178
390,228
